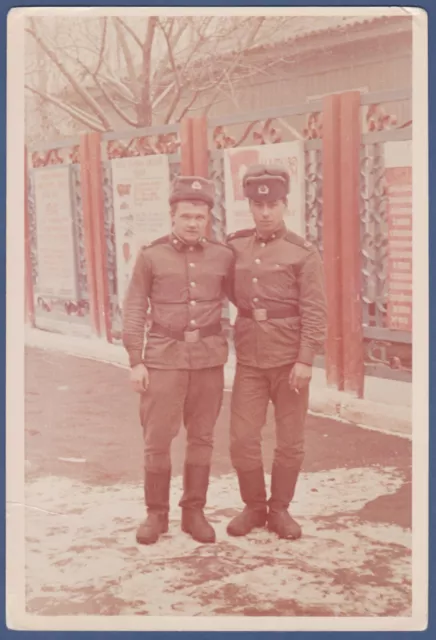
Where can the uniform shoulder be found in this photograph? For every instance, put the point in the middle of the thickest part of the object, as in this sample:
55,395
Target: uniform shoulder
294,238
218,243
154,243
242,233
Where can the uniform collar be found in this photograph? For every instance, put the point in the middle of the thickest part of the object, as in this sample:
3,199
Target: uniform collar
274,236
181,245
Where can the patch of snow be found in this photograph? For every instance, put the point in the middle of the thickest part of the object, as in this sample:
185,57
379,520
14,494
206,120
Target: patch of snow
85,548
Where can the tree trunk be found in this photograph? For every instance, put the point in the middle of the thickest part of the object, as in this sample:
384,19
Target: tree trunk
145,114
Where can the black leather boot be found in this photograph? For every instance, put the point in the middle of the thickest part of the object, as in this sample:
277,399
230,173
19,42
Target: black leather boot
283,483
195,485
157,500
253,493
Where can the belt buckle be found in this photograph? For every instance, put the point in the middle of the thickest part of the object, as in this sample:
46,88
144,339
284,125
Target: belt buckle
260,315
192,336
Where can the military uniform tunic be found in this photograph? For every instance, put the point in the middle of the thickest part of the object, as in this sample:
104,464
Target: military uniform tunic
184,287
283,274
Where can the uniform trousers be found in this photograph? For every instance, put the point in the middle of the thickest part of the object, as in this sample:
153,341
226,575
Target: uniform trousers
193,397
252,390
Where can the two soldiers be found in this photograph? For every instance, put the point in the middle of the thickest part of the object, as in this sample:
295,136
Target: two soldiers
274,278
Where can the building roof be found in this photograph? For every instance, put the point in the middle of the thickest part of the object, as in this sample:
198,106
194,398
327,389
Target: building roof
278,31
289,38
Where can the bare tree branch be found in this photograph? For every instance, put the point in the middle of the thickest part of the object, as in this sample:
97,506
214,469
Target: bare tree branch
144,109
170,52
236,60
116,108
111,101
82,92
121,88
131,71
171,23
188,106
195,95
77,114
252,36
102,47
163,95
178,93
173,105
174,40
130,31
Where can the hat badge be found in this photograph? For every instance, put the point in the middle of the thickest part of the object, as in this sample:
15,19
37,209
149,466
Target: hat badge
263,190
196,186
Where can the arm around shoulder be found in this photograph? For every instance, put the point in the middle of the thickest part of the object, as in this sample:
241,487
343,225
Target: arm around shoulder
135,308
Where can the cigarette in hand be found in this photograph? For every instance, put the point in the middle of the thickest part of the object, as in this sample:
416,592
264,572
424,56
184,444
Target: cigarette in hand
297,391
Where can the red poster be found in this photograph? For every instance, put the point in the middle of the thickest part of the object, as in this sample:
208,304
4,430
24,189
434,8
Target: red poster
240,160
399,210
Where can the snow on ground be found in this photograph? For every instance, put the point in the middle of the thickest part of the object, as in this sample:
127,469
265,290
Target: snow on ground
82,558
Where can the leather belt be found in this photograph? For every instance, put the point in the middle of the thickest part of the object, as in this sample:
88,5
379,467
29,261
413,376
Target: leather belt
190,335
260,315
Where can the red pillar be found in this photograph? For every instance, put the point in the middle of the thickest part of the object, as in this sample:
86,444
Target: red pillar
187,157
29,301
200,153
199,147
88,231
99,238
331,240
350,140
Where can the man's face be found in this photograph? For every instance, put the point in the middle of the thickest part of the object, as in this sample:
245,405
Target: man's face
268,216
190,220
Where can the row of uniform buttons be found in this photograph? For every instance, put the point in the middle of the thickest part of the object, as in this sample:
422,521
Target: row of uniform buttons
258,261
192,284
263,244
254,279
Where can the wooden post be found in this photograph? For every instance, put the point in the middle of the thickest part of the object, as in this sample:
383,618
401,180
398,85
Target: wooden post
99,237
88,233
331,240
200,151
350,140
200,147
29,300
187,158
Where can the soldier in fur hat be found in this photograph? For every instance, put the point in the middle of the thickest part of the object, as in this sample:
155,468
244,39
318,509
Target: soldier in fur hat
280,326
183,278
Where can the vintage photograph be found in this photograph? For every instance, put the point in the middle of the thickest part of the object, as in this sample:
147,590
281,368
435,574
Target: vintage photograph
220,319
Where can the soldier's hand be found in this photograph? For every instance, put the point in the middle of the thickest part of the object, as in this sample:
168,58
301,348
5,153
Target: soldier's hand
300,376
139,378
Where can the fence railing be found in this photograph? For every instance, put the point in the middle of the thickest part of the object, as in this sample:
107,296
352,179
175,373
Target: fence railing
388,350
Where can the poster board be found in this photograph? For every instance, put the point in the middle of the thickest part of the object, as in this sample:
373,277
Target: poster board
141,189
55,243
398,176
